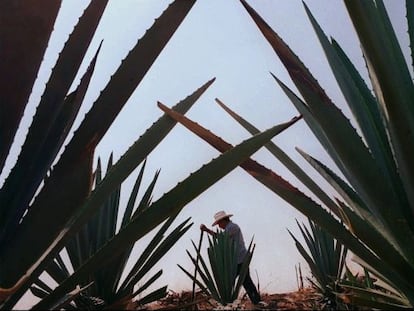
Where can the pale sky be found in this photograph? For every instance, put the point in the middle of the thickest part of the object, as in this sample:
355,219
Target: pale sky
217,39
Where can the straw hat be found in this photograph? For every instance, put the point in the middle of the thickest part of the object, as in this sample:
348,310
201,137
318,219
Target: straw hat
219,216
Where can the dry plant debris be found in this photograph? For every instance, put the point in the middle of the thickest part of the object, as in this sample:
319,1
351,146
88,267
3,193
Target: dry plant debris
304,299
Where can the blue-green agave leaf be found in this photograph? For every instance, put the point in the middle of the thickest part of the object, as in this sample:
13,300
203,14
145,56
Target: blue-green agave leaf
25,26
391,81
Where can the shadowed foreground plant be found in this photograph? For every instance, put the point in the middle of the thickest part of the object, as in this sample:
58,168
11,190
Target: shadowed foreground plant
220,280
106,282
38,200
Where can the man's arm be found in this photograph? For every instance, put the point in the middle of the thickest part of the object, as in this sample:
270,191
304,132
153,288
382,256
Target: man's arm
203,227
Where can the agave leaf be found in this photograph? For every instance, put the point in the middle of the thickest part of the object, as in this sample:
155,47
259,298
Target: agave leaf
69,297
147,252
57,270
314,268
147,283
40,289
410,21
154,296
210,287
22,27
374,298
39,283
244,269
93,222
346,192
314,247
370,120
313,244
161,249
365,109
331,252
133,196
201,267
310,119
284,159
391,81
354,281
120,264
85,242
391,285
205,274
113,207
129,74
361,101
157,253
66,117
33,161
203,287
107,220
218,267
217,271
350,196
93,235
326,244
21,191
76,194
208,284
147,197
39,292
29,253
108,215
157,294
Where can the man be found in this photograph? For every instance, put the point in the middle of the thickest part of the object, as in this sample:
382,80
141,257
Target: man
223,221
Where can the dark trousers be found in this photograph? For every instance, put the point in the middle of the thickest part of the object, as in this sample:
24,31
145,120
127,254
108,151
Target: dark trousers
250,287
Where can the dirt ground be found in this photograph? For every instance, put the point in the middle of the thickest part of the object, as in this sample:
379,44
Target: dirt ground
304,299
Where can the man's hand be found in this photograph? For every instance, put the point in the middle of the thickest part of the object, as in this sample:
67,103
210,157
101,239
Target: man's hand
203,227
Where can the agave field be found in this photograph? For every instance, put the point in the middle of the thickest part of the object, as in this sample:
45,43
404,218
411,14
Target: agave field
62,214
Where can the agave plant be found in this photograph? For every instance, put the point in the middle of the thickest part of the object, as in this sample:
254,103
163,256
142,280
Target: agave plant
326,258
221,280
106,283
47,198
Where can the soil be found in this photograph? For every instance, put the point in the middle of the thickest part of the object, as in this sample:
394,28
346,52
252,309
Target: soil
304,299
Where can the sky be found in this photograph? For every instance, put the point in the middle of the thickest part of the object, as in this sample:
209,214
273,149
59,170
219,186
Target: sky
216,39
